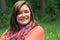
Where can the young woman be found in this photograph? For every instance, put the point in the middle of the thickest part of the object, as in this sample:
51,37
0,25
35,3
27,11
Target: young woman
23,26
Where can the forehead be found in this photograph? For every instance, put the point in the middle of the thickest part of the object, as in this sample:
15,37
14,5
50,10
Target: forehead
24,7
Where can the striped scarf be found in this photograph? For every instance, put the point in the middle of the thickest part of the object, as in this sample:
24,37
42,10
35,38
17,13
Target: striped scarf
21,34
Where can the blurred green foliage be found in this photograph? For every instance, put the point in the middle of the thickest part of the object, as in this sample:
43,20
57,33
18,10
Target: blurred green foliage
50,13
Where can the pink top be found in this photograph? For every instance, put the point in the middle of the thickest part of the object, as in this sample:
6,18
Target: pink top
36,33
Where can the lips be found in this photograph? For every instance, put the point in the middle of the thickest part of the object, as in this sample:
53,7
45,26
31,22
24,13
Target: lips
23,18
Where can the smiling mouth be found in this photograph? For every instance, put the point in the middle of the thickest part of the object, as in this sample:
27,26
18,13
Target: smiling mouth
23,19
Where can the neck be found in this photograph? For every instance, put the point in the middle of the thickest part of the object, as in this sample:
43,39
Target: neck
21,26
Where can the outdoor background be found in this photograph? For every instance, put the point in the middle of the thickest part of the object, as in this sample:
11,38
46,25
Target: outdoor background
46,13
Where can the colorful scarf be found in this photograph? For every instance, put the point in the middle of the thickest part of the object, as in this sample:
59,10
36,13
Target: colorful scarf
21,34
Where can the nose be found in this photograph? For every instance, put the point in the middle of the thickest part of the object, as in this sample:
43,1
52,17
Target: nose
23,14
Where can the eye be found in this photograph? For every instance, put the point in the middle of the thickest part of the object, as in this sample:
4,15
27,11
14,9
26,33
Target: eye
26,11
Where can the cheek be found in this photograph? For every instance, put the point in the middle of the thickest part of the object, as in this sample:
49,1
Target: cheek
18,16
29,15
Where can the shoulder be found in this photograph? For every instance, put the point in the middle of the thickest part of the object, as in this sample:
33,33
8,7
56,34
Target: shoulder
36,33
38,30
4,34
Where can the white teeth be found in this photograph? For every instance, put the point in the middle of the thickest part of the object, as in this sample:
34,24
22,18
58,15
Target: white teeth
23,19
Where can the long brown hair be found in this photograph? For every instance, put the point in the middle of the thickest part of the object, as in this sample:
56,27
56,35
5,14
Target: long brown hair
15,11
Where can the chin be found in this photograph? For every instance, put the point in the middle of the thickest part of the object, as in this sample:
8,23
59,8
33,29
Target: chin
25,23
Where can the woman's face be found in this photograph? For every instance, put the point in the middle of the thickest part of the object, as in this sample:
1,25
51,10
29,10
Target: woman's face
24,15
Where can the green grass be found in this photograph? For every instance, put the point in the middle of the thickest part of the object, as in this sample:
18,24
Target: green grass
52,30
